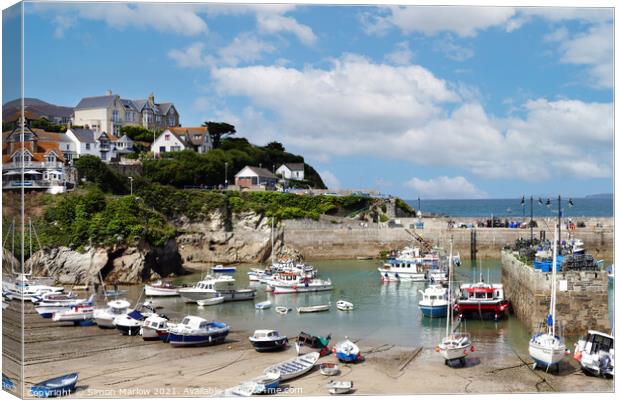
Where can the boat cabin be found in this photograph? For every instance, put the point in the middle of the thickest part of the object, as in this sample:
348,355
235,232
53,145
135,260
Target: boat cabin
216,284
401,264
435,293
156,322
482,292
195,322
266,334
598,341
118,306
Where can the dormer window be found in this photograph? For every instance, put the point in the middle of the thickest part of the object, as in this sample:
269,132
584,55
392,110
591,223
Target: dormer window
167,136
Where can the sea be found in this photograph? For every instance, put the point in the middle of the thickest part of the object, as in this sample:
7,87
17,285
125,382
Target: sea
512,208
385,313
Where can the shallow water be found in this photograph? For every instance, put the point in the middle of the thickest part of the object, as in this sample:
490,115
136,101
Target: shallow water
384,313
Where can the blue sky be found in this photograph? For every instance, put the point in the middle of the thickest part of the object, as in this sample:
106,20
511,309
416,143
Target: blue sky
437,102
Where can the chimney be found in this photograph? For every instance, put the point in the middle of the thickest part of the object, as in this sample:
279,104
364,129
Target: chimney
109,92
152,98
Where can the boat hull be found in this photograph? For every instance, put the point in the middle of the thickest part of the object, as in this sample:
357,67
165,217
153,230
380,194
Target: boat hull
238,294
434,311
129,330
300,289
196,340
192,296
495,309
401,276
347,358
153,291
546,357
269,345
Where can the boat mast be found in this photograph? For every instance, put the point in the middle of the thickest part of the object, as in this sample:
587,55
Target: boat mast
553,272
272,241
449,319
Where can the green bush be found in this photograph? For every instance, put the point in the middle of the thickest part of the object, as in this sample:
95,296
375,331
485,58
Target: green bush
92,169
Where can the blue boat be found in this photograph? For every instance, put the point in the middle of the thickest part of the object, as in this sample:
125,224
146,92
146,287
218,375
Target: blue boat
196,331
434,303
347,351
224,270
55,387
7,383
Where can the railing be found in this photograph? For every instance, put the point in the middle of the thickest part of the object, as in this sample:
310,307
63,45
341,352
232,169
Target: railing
32,164
37,183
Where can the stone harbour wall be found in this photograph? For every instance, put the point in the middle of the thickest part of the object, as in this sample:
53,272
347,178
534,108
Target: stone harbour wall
582,306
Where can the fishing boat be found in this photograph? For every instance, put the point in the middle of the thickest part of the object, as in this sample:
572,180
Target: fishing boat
347,351
329,369
23,288
263,305
268,383
339,387
434,303
156,327
455,345
294,282
547,348
315,342
104,317
196,331
268,340
130,324
220,269
482,300
211,302
51,303
55,387
312,309
344,305
223,285
282,310
406,265
595,353
294,367
81,314
161,289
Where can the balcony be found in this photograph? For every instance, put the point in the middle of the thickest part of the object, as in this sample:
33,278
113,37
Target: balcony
33,165
104,147
31,184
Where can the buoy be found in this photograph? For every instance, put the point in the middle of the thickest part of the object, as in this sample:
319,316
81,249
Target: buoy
465,351
437,349
471,348
577,356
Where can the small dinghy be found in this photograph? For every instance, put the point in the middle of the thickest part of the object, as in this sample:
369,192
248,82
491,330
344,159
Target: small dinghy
344,305
161,289
268,383
294,367
329,369
82,314
210,302
263,305
339,387
220,269
268,340
316,342
61,386
282,310
105,316
311,309
347,351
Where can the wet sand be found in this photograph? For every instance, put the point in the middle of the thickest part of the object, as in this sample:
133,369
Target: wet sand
111,365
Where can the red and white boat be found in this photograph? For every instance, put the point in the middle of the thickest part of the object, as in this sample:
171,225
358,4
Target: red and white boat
482,299
294,282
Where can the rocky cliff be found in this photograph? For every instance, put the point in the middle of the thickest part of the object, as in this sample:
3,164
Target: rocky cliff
119,264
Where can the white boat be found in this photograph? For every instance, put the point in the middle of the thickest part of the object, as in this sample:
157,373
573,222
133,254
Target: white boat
161,289
339,387
595,353
546,348
292,282
51,303
407,265
455,345
311,309
104,317
196,331
23,288
156,327
268,383
221,269
294,367
76,314
211,302
268,340
347,351
264,305
223,285
329,369
282,310
344,305
434,303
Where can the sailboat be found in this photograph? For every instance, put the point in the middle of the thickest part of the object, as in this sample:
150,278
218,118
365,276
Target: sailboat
455,345
547,348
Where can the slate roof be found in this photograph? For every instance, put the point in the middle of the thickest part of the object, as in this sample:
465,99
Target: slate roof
95,102
294,166
262,172
84,135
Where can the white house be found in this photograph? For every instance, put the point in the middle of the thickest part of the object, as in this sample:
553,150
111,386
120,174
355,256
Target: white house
255,178
182,138
98,144
291,171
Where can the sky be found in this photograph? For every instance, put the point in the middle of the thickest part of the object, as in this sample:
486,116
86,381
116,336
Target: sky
435,102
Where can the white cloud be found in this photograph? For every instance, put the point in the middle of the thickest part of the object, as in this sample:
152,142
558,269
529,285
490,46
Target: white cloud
405,112
276,23
181,19
330,180
452,50
401,55
445,187
191,57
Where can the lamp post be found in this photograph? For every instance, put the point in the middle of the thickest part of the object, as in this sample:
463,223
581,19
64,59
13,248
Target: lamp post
226,175
131,185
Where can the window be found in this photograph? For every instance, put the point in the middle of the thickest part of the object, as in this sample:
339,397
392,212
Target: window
103,156
50,158
116,116
162,149
175,148
167,136
87,146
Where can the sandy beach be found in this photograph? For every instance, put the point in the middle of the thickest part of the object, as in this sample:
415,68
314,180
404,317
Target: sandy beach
111,365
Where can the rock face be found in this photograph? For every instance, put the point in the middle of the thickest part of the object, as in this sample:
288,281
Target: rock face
9,262
246,238
117,264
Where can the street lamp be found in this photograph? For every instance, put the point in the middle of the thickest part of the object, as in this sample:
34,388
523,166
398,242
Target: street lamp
131,185
226,175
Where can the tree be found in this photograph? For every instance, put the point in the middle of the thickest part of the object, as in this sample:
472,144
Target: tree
275,146
138,133
92,169
218,130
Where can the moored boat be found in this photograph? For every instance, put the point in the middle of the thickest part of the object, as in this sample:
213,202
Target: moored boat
130,324
312,309
344,305
212,301
595,353
81,314
196,331
221,269
161,289
264,305
482,300
294,367
104,317
268,340
434,303
339,387
347,351
295,282
55,387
